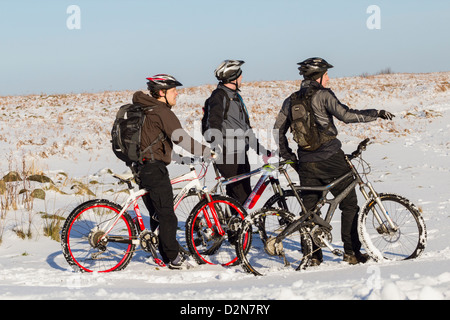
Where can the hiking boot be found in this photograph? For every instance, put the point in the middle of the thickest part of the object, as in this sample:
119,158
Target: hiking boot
179,263
356,258
315,262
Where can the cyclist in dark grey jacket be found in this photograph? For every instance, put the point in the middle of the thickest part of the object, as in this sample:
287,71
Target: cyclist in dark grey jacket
322,166
228,129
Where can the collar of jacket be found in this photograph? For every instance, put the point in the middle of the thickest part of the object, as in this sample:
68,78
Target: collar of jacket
311,83
224,87
142,99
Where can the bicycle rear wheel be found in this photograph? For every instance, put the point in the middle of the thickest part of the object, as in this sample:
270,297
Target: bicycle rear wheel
381,241
287,202
265,255
82,231
203,236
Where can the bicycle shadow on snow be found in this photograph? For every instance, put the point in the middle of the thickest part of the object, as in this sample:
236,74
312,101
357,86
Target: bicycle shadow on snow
57,261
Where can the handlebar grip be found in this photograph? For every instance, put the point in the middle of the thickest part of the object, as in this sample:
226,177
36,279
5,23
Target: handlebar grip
361,147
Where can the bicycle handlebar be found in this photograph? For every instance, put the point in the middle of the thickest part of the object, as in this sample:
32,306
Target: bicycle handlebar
361,147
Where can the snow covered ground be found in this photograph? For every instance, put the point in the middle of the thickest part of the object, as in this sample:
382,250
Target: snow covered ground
66,138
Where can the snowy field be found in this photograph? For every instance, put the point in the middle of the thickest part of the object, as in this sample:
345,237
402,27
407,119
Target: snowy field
66,138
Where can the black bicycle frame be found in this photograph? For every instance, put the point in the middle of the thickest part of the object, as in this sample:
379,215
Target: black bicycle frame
315,218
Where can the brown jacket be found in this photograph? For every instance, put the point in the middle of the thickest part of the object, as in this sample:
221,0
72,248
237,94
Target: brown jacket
162,119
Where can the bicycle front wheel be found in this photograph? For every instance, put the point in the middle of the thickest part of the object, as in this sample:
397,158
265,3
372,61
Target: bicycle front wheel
211,230
406,241
266,254
82,233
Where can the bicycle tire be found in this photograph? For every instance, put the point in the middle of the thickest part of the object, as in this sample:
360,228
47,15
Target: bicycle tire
204,242
289,204
264,256
79,238
408,242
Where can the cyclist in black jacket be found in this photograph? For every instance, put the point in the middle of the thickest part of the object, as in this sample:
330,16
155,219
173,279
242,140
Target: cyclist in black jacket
321,166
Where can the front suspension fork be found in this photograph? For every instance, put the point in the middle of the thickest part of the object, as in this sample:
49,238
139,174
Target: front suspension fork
374,195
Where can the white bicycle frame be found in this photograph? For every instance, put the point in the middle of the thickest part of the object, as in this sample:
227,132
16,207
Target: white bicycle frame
194,184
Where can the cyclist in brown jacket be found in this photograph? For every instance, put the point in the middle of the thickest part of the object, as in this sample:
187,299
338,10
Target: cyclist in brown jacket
160,130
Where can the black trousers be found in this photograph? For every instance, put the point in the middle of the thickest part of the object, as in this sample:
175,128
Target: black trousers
322,173
159,202
239,190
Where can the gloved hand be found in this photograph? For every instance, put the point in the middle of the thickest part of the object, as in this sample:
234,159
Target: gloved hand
383,114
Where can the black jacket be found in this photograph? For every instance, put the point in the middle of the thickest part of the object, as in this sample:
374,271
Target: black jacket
326,106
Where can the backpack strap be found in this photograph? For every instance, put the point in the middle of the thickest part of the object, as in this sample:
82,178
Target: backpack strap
228,100
161,138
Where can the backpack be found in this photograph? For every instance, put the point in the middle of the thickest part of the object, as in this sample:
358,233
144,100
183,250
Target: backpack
222,93
304,127
126,134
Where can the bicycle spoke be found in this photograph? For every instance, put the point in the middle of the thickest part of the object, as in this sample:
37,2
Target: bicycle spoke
407,241
212,230
266,254
82,234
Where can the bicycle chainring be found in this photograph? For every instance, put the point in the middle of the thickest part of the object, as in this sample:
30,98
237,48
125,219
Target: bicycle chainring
149,241
320,235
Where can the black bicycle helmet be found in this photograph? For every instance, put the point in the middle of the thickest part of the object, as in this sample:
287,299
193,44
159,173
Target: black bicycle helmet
314,68
162,82
229,70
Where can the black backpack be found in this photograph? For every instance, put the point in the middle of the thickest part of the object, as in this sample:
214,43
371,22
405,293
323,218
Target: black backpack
222,93
304,127
126,134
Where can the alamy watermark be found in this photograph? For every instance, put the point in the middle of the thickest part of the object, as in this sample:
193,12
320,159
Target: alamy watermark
374,280
230,146
73,22
374,20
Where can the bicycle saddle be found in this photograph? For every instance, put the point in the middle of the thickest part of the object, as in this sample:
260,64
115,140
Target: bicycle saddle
124,177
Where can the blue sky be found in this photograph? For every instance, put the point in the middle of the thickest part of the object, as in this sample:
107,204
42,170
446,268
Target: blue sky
120,43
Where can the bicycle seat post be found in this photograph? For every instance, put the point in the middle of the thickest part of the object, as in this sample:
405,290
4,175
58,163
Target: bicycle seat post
130,185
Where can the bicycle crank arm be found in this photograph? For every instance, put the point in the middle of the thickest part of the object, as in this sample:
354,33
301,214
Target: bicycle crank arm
292,227
119,239
333,250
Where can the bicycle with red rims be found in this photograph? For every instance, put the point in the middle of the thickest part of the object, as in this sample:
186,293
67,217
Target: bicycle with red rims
101,236
213,225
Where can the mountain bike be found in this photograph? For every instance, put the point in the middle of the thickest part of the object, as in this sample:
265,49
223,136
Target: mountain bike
390,227
212,226
101,236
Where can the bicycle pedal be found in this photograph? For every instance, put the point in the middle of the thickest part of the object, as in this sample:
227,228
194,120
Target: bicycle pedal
159,262
337,252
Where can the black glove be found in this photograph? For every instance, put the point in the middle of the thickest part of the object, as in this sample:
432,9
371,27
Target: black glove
383,114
